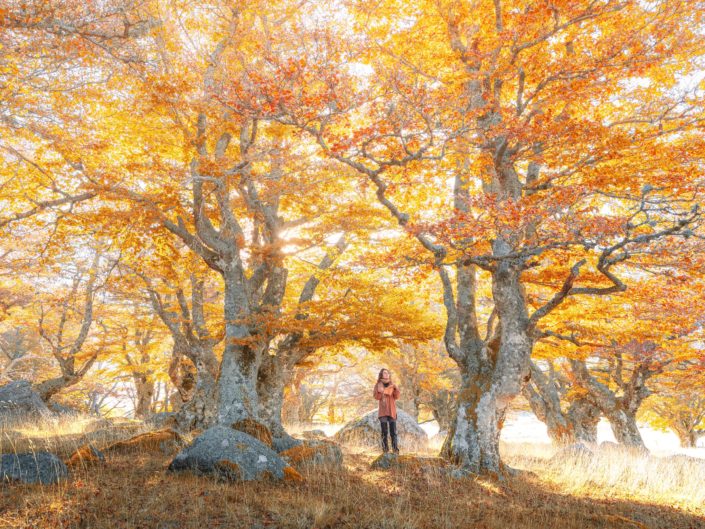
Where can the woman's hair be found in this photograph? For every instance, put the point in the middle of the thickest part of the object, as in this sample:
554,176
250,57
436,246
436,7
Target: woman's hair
379,377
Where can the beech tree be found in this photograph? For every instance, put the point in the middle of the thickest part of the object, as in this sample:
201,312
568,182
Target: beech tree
678,403
558,160
530,154
569,416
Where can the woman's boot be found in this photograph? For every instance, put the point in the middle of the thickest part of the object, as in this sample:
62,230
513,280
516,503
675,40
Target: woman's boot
385,442
393,432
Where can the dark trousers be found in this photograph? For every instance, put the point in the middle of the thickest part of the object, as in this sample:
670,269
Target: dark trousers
389,426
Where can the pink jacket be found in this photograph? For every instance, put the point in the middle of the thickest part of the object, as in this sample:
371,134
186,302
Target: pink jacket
386,397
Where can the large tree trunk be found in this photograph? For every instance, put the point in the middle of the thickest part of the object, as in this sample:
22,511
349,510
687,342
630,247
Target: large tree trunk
145,392
624,427
462,444
549,412
51,387
199,410
511,369
545,401
492,378
576,424
236,391
274,375
183,376
619,410
442,405
583,417
688,437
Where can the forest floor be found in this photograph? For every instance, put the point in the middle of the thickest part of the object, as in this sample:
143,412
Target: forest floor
133,491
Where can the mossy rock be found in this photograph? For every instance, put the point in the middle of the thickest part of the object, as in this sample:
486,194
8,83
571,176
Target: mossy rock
365,431
230,454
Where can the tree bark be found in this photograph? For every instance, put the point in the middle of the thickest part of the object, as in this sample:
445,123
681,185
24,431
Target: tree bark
619,410
623,423
48,388
199,410
545,393
273,377
687,438
584,417
145,392
442,406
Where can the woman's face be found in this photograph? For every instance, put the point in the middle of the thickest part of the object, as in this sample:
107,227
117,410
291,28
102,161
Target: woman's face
386,375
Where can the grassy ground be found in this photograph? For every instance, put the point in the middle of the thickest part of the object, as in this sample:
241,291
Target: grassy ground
612,491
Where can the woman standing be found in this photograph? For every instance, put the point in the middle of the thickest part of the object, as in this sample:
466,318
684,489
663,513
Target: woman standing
386,392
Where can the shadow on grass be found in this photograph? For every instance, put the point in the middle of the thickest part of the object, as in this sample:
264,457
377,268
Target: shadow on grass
134,491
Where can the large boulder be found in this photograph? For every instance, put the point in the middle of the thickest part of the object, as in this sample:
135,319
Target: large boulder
19,402
231,454
366,431
38,467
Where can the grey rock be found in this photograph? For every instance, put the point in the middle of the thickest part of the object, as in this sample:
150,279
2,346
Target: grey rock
314,434
385,461
366,431
284,442
229,454
38,467
19,402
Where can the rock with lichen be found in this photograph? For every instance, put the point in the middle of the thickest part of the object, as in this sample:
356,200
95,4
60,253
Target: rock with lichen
36,467
231,454
366,431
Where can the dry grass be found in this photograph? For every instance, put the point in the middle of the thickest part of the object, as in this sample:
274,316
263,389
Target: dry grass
677,481
133,491
65,435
